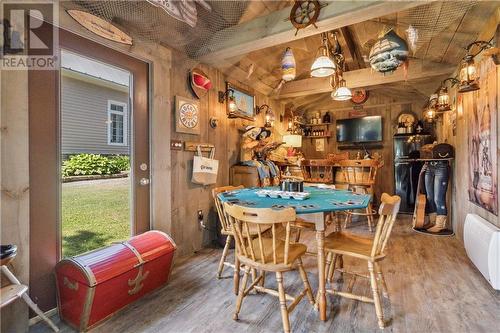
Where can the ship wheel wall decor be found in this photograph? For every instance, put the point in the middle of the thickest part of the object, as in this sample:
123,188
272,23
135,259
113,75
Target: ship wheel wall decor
305,13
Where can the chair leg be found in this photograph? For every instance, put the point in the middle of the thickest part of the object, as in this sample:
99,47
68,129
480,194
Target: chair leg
263,280
369,217
39,312
331,271
382,280
298,232
282,297
348,218
241,293
236,278
12,278
376,296
224,255
305,280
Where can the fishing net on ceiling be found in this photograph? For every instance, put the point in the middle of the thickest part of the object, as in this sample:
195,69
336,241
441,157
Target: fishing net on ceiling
432,19
187,26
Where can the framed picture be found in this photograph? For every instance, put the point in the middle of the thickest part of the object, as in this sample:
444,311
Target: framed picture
245,102
187,115
320,144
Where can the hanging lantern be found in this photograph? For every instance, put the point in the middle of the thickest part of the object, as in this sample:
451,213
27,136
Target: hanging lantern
288,65
430,114
323,65
443,98
443,102
467,76
342,93
388,53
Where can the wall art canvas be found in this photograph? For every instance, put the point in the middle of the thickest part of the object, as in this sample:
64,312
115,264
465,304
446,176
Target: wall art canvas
245,103
482,111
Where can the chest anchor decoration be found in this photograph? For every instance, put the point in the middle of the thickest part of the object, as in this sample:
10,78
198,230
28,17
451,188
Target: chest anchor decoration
136,283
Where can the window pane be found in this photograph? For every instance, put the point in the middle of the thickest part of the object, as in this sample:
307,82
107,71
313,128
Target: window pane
116,128
116,107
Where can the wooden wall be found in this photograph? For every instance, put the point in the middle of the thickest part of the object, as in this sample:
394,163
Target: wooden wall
461,205
460,197
376,105
188,198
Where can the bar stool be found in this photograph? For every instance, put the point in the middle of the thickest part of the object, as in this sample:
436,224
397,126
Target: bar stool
360,175
10,293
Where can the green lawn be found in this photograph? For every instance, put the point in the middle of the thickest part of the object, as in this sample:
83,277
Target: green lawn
94,214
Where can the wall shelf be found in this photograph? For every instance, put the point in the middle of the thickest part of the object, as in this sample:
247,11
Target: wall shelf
317,136
313,125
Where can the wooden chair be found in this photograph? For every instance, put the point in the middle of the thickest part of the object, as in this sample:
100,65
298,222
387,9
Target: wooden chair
271,254
337,157
360,175
317,171
228,232
15,290
372,250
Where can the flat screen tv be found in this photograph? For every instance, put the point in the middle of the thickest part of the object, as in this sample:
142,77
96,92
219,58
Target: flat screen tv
359,130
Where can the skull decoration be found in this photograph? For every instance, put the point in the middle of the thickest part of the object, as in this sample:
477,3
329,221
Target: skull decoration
388,53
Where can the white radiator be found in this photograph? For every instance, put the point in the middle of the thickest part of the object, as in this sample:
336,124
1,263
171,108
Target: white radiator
482,243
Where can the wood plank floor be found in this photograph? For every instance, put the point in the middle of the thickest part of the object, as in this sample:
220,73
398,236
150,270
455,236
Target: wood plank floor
432,285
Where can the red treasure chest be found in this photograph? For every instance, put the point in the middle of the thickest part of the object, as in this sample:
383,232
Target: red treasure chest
93,286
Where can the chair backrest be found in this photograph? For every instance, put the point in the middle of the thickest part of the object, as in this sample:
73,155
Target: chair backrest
359,172
225,225
249,224
337,157
317,171
388,211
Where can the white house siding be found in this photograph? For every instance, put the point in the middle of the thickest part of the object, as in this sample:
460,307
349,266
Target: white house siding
84,118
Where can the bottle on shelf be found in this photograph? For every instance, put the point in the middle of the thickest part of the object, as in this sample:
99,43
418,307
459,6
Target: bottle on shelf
326,118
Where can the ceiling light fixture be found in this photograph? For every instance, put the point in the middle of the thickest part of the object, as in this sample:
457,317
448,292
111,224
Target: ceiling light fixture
323,64
341,93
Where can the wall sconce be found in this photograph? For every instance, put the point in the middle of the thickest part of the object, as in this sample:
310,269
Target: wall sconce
443,100
430,114
229,96
269,114
467,73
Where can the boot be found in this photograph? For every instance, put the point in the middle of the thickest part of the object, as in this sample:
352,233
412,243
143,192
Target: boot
432,218
440,224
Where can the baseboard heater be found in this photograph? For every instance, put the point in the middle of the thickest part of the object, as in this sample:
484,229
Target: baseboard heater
482,244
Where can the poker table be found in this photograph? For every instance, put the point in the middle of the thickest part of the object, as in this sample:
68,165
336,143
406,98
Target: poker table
311,209
320,200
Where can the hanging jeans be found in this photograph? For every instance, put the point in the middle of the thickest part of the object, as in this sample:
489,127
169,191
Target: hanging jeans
436,185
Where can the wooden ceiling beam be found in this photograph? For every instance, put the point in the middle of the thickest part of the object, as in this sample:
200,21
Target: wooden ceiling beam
366,78
273,29
351,48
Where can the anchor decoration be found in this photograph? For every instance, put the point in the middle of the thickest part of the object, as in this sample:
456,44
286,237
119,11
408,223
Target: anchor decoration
137,282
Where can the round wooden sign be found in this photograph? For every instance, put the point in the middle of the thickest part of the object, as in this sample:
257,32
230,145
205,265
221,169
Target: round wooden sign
359,96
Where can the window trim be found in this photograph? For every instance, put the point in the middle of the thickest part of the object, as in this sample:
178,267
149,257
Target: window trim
125,122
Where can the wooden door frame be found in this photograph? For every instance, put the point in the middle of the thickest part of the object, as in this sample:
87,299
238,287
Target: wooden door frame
44,168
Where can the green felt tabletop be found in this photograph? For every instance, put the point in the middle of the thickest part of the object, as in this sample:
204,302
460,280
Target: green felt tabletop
320,200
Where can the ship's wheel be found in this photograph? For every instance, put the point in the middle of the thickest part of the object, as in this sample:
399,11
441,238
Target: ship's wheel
305,13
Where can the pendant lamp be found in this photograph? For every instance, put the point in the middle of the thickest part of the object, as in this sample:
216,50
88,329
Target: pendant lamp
342,93
323,65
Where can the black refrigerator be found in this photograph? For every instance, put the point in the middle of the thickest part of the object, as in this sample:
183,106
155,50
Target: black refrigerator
407,167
